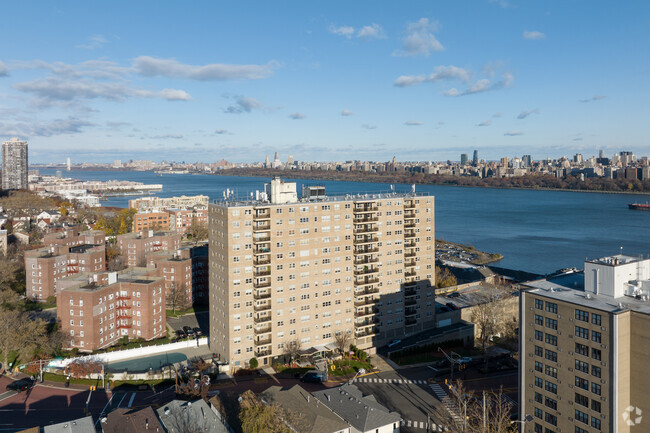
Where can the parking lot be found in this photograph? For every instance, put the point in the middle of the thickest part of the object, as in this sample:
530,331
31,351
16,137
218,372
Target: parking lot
194,320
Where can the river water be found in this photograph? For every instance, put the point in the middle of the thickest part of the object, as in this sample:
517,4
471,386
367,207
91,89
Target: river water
535,231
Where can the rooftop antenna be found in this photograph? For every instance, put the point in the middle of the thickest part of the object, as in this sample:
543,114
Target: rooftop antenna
621,249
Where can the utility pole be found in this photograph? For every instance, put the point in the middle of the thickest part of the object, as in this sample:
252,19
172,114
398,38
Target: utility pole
451,360
484,417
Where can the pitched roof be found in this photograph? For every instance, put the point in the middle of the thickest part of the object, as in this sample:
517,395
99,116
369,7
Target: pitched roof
132,421
81,425
180,416
361,411
311,415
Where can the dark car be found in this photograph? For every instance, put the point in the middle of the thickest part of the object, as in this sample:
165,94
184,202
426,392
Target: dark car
453,295
445,309
312,377
189,331
452,306
20,385
198,332
181,334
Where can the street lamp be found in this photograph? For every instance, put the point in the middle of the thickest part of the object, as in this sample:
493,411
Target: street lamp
527,418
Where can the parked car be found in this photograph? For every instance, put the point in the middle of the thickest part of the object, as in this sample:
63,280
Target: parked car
453,295
464,360
181,334
189,331
452,306
20,385
394,343
198,332
445,309
312,377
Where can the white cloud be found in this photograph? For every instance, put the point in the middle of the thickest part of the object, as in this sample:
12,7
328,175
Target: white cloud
534,35
297,116
413,123
153,67
32,127
372,31
527,113
346,113
367,126
485,123
452,92
244,105
221,131
95,41
173,95
420,39
483,85
439,73
593,98
4,71
346,31
513,133
167,137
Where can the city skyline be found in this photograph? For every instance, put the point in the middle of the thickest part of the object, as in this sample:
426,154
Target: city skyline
420,81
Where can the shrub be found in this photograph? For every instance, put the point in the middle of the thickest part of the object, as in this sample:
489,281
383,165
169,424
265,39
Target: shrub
253,363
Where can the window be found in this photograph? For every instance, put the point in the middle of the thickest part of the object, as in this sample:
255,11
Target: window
596,354
539,320
550,355
595,406
595,422
551,323
539,304
595,371
596,319
538,413
539,335
539,351
539,398
550,387
538,428
582,417
583,316
551,419
582,366
549,402
551,371
551,307
551,339
539,366
582,400
582,383
582,332
539,382
581,349
580,430
596,337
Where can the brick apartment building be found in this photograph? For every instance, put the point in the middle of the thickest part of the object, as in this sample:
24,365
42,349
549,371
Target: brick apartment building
181,220
45,266
72,236
134,247
182,202
176,268
584,347
200,274
96,311
156,221
285,270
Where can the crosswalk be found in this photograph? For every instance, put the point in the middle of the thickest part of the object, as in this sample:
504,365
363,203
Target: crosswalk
447,402
393,381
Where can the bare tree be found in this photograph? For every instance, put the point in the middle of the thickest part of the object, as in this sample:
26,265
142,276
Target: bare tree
490,413
22,335
488,316
177,297
292,349
198,230
342,340
114,258
257,417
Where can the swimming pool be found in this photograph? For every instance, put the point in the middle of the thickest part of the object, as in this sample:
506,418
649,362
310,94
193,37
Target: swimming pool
142,365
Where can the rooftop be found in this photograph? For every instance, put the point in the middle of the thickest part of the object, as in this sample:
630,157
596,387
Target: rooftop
236,202
132,420
81,425
616,260
190,416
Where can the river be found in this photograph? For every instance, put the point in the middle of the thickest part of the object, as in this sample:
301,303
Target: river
535,231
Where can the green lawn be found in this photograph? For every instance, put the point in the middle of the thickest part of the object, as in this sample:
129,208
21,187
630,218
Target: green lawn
345,367
190,310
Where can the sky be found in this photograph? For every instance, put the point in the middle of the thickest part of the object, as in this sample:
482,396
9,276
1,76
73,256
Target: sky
324,81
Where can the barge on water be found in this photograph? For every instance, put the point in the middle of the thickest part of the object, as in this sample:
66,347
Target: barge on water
637,206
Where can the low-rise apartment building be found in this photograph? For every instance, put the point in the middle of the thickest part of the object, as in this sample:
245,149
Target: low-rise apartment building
45,266
97,310
155,220
584,347
134,247
181,220
72,236
300,271
182,202
176,269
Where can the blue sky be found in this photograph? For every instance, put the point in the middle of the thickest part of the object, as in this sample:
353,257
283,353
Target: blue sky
421,80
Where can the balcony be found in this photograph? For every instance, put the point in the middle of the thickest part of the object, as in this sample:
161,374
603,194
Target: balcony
409,215
263,318
366,229
259,330
122,307
124,326
366,332
365,260
360,240
261,284
365,209
410,274
371,321
409,234
366,300
261,261
366,250
409,204
122,297
409,263
366,312
261,250
263,341
411,311
410,292
410,225
262,239
409,244
410,322
262,227
262,214
366,281
366,270
367,291
257,295
409,255
360,219
263,307
262,352
262,272
409,302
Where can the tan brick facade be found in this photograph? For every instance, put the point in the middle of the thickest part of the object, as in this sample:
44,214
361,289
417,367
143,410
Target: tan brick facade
134,247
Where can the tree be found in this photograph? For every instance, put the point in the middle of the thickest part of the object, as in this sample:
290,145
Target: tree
253,363
21,335
444,278
84,367
198,230
292,349
495,418
114,258
177,297
257,417
342,340
488,316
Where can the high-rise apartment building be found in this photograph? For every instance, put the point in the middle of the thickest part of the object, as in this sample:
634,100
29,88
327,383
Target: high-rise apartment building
14,164
463,159
584,349
475,158
286,270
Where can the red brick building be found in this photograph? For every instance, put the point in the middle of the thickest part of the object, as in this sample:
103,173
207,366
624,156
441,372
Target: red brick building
180,220
45,266
176,269
71,236
143,221
96,311
135,246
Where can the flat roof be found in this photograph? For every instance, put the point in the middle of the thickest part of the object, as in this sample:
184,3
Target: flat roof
569,287
616,260
323,199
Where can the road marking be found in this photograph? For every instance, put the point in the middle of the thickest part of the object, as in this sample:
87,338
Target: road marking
104,410
5,395
131,401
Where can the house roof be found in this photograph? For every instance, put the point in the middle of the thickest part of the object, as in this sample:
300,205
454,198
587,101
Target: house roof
311,416
361,411
132,421
180,416
81,425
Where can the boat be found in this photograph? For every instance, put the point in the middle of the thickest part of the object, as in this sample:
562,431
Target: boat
637,206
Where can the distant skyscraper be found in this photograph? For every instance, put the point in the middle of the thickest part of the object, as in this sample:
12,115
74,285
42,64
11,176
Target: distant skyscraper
475,158
68,163
577,158
601,153
14,164
463,159
267,164
290,160
526,160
